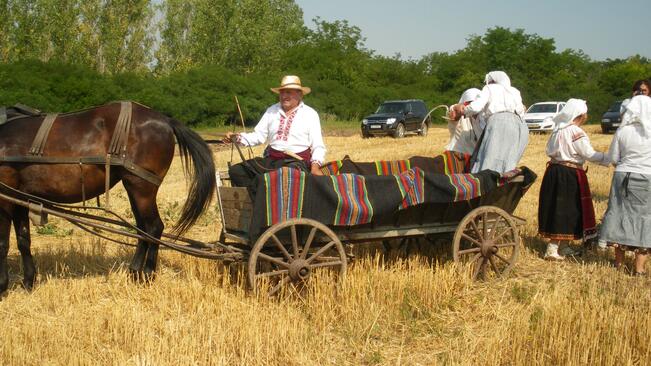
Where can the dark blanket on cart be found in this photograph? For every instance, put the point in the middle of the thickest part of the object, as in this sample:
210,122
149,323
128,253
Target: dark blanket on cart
449,162
353,199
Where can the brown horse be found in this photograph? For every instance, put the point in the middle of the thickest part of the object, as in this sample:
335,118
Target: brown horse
148,143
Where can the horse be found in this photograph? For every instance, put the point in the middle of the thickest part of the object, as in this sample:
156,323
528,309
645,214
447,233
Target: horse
81,155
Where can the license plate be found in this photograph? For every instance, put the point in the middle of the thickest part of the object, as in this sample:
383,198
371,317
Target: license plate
615,124
376,126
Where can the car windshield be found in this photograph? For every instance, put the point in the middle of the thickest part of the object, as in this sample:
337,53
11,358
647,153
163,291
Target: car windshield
615,107
391,108
542,108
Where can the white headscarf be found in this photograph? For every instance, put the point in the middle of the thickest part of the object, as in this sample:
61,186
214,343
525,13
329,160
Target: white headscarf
469,95
498,77
573,108
639,111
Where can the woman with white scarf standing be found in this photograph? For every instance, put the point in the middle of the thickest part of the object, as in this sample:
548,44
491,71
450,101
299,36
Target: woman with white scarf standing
565,210
627,221
506,135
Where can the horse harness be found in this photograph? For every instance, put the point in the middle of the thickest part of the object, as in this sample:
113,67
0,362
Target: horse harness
115,156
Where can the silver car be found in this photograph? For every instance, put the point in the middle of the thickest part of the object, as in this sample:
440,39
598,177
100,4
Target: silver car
539,116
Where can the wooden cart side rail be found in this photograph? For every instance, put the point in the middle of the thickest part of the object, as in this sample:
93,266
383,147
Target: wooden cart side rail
351,234
391,232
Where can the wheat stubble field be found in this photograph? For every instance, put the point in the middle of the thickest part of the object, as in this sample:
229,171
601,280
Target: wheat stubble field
394,309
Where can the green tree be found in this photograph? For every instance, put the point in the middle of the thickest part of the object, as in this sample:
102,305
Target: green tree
247,36
333,51
5,45
125,36
108,35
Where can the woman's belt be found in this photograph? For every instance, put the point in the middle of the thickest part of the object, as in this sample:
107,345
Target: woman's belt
569,164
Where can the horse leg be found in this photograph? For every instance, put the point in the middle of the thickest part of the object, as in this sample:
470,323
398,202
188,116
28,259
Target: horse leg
142,196
5,226
23,237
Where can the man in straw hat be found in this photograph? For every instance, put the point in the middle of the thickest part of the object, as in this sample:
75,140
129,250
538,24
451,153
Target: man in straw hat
292,131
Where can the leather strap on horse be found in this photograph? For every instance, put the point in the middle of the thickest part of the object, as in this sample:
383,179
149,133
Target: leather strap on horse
42,134
118,146
128,164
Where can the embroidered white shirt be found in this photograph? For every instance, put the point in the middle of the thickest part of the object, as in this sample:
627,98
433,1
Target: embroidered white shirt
296,132
572,144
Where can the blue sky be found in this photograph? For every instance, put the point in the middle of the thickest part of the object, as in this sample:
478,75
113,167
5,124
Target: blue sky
601,28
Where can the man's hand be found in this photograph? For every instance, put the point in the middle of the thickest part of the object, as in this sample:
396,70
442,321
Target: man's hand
316,169
231,137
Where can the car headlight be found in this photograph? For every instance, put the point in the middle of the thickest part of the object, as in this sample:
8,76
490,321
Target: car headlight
391,120
605,120
365,121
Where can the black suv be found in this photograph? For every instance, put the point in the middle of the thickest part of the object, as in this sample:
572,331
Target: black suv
611,119
396,117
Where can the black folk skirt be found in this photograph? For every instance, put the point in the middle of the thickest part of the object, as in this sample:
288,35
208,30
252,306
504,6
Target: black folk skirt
565,210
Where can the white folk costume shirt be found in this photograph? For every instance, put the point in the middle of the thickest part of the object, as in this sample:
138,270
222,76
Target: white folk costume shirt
572,144
465,132
568,142
499,96
630,150
296,132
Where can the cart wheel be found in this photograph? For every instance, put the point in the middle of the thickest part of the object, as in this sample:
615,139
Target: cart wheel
291,251
488,240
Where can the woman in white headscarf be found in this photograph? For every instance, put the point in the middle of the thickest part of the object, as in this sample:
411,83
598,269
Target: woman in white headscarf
627,222
565,210
506,135
464,131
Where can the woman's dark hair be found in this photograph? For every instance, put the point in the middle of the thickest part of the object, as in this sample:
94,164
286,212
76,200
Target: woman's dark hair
639,83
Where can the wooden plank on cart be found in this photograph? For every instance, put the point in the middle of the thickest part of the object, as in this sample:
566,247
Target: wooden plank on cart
237,208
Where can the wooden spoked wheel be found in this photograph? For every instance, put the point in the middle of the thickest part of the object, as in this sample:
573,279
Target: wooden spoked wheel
291,252
487,239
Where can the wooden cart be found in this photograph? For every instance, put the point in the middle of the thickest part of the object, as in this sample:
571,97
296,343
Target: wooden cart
485,236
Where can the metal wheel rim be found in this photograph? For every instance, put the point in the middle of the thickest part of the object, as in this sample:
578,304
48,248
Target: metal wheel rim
502,232
400,130
296,253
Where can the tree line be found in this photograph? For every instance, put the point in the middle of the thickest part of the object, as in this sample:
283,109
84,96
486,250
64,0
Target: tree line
190,58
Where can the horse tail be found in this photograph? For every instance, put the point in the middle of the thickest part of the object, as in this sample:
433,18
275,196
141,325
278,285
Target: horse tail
198,165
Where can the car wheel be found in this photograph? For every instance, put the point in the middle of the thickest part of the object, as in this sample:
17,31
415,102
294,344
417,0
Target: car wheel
400,131
604,130
423,129
365,135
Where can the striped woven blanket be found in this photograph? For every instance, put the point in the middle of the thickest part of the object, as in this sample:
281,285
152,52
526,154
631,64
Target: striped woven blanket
412,187
352,199
284,189
449,162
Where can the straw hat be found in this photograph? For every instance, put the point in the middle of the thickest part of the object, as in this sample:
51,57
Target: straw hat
291,82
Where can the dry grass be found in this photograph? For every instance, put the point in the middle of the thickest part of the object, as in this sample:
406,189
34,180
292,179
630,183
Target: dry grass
413,311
